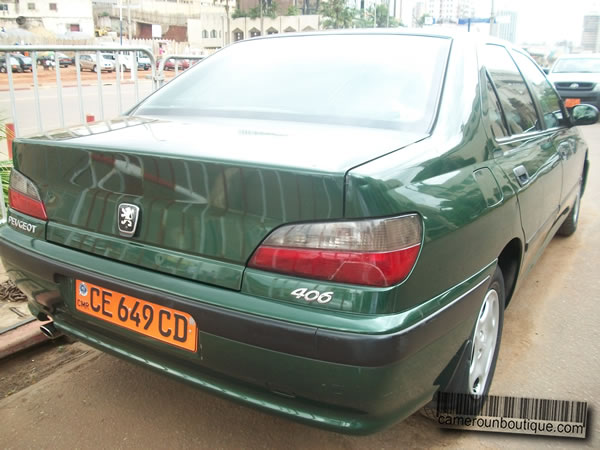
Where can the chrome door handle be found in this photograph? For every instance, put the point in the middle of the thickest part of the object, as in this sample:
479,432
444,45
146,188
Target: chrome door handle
521,174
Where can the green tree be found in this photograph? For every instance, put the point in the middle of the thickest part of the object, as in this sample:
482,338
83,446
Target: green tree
269,10
421,20
337,14
381,12
292,11
384,19
254,13
239,13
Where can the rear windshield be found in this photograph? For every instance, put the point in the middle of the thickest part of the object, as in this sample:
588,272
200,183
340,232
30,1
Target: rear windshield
577,65
383,81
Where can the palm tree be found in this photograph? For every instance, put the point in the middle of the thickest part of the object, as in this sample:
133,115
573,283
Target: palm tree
337,14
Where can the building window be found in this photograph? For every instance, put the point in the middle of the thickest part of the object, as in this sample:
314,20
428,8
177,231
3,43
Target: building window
238,35
204,34
74,27
31,6
213,34
3,7
52,7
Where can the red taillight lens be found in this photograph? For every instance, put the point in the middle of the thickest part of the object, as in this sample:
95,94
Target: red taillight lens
24,197
378,252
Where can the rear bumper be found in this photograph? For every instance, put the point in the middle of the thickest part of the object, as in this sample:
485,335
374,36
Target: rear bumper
346,381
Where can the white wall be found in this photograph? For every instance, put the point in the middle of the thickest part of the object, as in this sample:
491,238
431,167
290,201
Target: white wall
200,31
279,24
57,21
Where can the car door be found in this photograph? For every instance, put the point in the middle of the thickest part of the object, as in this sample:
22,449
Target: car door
566,141
524,148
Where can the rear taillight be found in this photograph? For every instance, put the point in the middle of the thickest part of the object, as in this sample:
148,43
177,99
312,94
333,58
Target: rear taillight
375,252
24,197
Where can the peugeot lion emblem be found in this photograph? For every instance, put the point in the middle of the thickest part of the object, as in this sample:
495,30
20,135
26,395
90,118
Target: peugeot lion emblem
127,219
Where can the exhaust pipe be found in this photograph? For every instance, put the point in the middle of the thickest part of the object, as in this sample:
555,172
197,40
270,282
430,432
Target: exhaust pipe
50,330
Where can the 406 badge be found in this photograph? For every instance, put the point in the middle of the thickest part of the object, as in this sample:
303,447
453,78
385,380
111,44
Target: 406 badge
312,295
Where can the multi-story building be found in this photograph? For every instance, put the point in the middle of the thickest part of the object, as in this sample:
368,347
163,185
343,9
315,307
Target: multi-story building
449,11
56,16
590,39
506,25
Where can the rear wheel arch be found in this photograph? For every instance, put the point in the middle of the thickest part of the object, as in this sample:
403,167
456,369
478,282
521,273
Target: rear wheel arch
509,262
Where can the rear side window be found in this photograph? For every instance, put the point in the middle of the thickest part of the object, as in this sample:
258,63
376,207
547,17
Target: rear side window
542,89
494,112
520,113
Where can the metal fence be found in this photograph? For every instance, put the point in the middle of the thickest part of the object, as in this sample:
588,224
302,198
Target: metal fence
122,54
34,50
160,76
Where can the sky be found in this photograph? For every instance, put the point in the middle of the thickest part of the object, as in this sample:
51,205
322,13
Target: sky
546,20
538,21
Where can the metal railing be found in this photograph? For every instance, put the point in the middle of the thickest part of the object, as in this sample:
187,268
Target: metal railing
157,77
160,75
33,50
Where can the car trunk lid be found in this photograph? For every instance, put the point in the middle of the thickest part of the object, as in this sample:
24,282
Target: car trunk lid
208,193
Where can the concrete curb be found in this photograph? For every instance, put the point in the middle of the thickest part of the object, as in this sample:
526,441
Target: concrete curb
21,338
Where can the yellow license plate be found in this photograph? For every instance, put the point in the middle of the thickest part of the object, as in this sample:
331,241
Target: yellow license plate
159,322
570,102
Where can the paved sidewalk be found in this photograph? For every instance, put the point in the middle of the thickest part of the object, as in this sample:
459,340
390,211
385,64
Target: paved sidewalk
18,328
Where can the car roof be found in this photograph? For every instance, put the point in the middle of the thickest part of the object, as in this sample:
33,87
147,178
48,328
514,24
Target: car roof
457,36
365,31
440,32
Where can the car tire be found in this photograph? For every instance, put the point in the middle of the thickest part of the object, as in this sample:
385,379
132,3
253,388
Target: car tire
95,69
569,226
477,365
2,69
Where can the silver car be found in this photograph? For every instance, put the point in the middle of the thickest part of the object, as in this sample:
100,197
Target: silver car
90,62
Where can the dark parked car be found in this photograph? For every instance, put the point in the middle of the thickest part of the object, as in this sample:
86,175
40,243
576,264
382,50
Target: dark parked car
16,64
338,247
47,58
24,62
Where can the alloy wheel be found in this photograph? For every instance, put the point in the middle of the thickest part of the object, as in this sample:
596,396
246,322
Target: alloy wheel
484,343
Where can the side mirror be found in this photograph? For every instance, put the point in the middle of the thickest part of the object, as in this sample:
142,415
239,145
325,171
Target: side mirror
546,70
584,114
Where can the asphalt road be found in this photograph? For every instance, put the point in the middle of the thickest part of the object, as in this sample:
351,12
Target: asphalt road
550,349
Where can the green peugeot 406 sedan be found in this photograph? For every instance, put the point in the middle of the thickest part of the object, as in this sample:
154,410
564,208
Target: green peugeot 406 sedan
329,238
